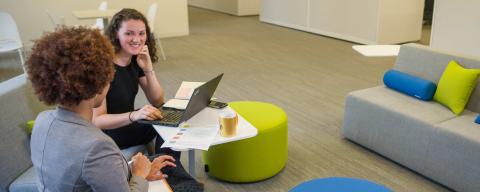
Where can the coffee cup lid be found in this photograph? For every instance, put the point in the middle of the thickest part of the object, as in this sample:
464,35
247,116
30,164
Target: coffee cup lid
228,113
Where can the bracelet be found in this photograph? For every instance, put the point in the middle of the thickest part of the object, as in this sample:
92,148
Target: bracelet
129,116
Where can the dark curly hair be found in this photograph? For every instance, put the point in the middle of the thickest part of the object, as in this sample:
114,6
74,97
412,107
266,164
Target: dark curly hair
125,15
69,65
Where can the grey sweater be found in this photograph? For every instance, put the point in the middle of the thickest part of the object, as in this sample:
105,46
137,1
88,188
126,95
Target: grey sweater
71,154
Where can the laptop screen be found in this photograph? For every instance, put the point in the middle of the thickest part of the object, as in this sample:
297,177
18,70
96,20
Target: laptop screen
201,97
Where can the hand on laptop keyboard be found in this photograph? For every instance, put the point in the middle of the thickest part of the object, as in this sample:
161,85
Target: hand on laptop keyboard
147,112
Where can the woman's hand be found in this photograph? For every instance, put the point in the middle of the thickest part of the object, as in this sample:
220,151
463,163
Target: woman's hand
159,163
147,112
141,166
143,59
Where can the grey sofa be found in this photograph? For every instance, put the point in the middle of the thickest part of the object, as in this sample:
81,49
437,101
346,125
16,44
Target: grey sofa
18,105
423,136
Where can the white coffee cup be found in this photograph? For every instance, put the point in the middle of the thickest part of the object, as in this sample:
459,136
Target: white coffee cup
228,121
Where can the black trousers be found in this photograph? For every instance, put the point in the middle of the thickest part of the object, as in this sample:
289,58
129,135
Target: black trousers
179,179
139,134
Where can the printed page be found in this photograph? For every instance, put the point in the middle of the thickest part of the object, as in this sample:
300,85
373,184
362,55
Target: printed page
176,103
186,89
200,137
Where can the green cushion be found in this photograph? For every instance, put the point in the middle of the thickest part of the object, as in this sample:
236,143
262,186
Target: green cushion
255,158
456,86
30,125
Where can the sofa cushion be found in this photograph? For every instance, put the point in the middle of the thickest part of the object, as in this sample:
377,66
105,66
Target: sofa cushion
454,153
393,124
409,84
27,182
427,111
14,141
427,63
456,86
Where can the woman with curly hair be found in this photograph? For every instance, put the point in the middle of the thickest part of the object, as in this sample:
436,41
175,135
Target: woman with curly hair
134,54
71,68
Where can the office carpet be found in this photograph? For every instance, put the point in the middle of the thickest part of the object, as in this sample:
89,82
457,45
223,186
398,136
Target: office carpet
308,75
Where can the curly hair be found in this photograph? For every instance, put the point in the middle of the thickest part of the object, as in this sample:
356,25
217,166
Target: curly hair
69,65
125,15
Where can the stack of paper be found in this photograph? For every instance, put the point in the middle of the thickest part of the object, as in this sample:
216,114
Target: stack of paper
183,95
176,103
186,89
193,138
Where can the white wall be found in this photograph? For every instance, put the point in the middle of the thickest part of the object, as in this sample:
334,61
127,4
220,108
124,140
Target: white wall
226,6
401,21
346,19
362,21
456,26
248,7
234,7
32,21
290,13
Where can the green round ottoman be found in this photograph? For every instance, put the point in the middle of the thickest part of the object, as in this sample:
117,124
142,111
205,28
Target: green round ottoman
255,158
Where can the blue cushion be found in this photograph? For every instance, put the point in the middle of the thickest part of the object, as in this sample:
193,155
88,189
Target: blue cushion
409,84
477,120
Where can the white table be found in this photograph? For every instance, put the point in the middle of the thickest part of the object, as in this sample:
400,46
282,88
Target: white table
95,14
208,116
377,50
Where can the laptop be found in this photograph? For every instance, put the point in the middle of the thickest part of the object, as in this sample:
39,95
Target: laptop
200,99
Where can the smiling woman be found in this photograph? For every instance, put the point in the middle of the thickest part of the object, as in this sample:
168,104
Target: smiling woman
134,54
124,16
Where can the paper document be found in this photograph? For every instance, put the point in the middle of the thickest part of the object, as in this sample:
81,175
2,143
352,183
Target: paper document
186,89
199,137
159,186
176,103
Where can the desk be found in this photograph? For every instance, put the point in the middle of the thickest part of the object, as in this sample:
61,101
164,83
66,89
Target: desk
377,50
94,14
208,116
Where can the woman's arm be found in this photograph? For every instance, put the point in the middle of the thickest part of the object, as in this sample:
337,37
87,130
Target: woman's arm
104,169
103,120
152,88
149,83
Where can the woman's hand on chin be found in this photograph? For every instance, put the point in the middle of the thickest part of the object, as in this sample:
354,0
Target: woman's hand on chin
143,59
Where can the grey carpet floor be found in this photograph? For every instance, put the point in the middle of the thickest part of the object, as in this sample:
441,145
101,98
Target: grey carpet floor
307,75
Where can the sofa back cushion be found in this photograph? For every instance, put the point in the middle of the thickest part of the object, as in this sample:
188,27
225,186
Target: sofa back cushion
429,64
17,106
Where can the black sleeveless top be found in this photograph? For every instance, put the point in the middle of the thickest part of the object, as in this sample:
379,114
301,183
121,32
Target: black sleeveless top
124,88
121,99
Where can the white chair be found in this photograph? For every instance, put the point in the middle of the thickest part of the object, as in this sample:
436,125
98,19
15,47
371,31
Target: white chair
9,36
99,22
56,20
151,14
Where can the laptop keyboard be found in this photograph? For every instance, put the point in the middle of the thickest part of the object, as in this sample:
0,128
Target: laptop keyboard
172,116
